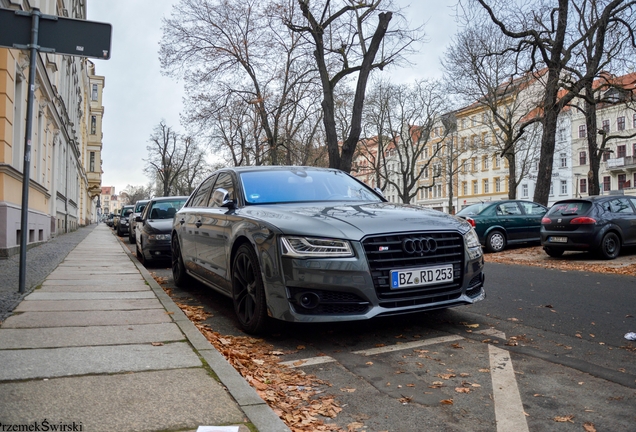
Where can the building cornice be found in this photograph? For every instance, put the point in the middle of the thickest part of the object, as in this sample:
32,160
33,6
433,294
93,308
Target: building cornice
14,173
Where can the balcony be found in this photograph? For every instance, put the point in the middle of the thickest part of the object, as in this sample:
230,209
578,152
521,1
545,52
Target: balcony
621,164
94,183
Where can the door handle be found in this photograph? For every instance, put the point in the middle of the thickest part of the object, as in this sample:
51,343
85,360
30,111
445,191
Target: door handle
198,223
182,221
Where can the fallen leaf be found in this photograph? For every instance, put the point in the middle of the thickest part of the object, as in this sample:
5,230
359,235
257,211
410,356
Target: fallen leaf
436,384
300,347
484,370
513,319
589,427
379,345
475,385
472,325
578,336
446,401
347,390
462,390
276,353
259,361
405,399
563,419
537,395
299,362
457,346
446,376
157,344
410,385
369,363
526,414
464,374
353,426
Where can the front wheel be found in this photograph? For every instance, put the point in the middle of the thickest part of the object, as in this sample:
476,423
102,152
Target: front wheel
554,253
496,241
140,254
179,274
248,291
610,246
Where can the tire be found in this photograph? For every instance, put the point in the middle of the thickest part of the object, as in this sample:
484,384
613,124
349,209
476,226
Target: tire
131,237
248,292
179,274
495,241
140,254
554,253
610,246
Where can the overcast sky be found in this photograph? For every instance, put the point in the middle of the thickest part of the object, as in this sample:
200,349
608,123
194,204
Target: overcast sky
137,97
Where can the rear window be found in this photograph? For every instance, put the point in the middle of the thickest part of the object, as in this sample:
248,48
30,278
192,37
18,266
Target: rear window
570,208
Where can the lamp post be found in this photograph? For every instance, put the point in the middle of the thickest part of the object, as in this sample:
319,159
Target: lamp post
576,176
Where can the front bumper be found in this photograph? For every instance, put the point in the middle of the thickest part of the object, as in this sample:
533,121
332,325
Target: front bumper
158,250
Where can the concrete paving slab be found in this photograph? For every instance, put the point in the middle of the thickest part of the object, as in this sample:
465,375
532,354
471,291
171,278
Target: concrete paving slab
97,277
92,281
75,271
86,318
59,362
124,287
181,399
58,337
65,295
86,305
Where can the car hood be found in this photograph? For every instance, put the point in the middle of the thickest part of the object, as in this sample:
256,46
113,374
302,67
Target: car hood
352,221
158,226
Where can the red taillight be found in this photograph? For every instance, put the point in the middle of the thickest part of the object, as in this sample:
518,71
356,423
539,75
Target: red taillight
471,221
583,221
546,221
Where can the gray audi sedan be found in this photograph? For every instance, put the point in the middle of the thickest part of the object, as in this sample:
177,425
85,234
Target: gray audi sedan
306,244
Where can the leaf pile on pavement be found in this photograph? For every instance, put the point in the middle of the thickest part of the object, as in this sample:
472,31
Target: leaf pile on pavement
535,256
293,395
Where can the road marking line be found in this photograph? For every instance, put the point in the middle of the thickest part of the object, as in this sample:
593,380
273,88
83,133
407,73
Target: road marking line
509,412
308,361
408,345
493,332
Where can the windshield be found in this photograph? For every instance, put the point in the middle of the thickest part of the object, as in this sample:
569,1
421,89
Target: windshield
570,208
140,207
127,211
299,185
473,209
166,209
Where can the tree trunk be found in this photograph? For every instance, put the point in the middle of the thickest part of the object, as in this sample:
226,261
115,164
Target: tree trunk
511,157
592,146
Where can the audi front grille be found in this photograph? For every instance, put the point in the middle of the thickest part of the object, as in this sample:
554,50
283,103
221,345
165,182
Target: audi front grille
387,252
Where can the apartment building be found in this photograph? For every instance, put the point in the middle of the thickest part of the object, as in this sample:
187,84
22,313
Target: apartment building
63,189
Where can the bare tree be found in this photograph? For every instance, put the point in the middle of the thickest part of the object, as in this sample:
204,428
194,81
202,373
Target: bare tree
545,30
136,193
195,169
407,130
346,42
238,48
169,155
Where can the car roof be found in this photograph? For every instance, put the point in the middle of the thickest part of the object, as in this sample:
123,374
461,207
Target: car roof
241,169
169,198
596,198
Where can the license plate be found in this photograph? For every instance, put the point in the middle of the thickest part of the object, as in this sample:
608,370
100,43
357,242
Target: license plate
558,239
421,276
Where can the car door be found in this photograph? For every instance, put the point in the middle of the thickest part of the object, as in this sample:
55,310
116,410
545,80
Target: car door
212,242
188,224
512,219
623,215
533,214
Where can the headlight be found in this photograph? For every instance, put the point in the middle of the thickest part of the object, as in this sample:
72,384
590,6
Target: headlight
156,237
472,243
310,247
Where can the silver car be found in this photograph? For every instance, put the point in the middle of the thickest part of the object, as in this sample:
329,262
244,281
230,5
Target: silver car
139,207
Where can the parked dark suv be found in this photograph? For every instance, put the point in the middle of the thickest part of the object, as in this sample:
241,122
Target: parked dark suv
123,225
154,227
600,223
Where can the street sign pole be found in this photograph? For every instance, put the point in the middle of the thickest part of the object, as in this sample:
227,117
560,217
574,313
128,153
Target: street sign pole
24,227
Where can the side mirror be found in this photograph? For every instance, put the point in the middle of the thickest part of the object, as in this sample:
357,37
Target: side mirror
137,218
378,191
221,198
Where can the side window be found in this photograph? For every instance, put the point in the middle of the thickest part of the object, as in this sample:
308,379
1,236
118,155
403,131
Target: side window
224,181
532,208
620,205
633,200
201,195
508,209
144,214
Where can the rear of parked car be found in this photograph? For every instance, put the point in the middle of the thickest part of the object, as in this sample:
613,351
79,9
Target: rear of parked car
139,207
601,224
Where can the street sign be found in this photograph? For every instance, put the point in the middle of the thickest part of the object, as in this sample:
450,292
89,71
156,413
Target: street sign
56,34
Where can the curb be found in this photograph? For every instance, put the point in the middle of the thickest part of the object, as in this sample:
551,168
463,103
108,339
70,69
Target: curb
254,407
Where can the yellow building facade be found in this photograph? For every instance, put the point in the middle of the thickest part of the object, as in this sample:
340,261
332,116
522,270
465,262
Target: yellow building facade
63,188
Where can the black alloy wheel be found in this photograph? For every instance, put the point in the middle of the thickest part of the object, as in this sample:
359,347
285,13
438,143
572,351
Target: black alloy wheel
140,254
554,253
495,241
610,246
179,274
248,292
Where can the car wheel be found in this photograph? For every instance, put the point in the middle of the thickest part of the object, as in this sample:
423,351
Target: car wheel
140,254
179,274
554,253
610,246
248,292
131,237
496,241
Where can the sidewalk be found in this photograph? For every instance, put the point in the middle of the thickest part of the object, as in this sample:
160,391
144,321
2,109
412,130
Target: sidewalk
101,347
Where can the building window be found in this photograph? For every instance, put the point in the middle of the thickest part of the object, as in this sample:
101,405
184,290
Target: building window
564,160
497,184
93,125
473,121
621,151
606,155
94,95
607,183
564,187
551,189
464,188
486,162
463,146
474,164
475,187
634,121
634,151
582,131
486,186
583,185
621,181
620,123
92,162
497,161
582,158
606,126
524,190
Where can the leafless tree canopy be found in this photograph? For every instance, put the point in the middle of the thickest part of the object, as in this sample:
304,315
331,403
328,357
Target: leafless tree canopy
137,193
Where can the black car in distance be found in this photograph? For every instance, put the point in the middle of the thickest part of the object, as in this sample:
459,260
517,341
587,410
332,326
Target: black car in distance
307,244
152,233
601,224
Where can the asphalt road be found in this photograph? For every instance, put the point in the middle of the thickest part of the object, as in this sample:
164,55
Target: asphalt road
544,351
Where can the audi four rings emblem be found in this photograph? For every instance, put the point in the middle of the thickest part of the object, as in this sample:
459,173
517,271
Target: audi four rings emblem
419,245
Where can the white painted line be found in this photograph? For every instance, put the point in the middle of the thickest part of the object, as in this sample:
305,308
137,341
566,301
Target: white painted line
493,332
408,345
308,361
508,407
